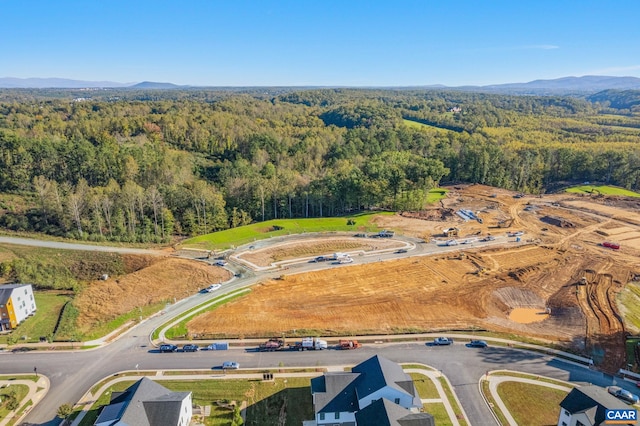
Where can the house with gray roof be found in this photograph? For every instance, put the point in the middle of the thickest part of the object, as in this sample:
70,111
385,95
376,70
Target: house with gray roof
338,397
383,412
587,406
146,403
16,305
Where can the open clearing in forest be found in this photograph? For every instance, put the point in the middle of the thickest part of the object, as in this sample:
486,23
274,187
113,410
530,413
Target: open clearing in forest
479,289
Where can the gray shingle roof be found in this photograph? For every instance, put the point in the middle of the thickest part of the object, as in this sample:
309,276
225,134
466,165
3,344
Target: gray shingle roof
593,401
145,403
379,372
383,412
7,289
339,394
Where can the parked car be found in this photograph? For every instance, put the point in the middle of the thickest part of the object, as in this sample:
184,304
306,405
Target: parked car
439,341
488,238
190,348
221,263
230,365
477,344
168,348
623,394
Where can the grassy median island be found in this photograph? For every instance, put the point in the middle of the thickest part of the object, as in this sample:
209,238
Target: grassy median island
283,401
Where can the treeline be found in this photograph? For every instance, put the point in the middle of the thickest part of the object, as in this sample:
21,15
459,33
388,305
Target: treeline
143,166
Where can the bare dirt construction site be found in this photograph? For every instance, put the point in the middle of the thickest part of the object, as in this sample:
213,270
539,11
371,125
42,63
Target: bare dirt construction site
314,247
156,279
559,270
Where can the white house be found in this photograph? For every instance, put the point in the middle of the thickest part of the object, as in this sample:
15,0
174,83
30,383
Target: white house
146,403
587,405
339,398
16,305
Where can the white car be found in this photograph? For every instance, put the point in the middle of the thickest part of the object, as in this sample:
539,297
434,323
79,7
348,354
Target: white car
213,287
230,365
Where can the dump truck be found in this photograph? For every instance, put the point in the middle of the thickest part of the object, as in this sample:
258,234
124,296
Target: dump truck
310,344
271,345
349,344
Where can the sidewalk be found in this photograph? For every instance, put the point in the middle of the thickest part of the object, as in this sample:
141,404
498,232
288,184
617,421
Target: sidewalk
37,391
494,381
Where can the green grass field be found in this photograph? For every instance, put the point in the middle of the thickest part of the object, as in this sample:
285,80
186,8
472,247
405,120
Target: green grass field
602,189
425,386
629,298
265,400
278,227
532,405
48,305
418,125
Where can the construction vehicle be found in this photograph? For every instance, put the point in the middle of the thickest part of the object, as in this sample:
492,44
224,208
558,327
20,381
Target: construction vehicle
450,232
273,344
310,344
348,344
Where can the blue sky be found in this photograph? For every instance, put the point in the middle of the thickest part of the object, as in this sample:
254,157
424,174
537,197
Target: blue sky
321,42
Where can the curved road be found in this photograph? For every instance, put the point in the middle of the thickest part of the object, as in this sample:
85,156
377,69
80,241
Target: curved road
72,373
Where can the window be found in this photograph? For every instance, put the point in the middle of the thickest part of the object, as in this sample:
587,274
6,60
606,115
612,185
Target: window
337,415
397,400
321,416
564,423
579,423
567,413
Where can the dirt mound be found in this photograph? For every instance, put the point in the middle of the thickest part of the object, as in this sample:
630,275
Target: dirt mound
515,297
432,214
164,280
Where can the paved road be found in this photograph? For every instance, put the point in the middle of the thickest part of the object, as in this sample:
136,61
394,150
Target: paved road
71,374
74,246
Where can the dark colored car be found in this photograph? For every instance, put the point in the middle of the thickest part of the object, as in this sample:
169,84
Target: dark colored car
168,348
401,251
190,348
477,344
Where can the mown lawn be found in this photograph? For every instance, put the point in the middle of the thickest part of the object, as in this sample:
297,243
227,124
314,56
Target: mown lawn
439,413
278,227
425,386
531,404
9,394
602,189
48,307
267,402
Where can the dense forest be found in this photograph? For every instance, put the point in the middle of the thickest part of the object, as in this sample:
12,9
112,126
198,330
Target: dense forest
131,165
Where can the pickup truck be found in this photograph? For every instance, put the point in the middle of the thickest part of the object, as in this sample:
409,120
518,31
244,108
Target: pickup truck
440,341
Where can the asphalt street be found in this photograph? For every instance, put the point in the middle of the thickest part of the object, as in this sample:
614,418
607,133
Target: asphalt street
72,373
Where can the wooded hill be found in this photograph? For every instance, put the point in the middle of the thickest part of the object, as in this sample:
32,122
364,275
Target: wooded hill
135,165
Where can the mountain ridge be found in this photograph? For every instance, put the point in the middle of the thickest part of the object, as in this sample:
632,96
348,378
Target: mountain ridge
570,84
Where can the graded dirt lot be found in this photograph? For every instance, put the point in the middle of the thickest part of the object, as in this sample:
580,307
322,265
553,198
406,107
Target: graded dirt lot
561,267
316,247
156,279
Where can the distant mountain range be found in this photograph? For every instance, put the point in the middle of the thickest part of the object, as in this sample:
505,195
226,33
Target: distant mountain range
584,84
63,83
